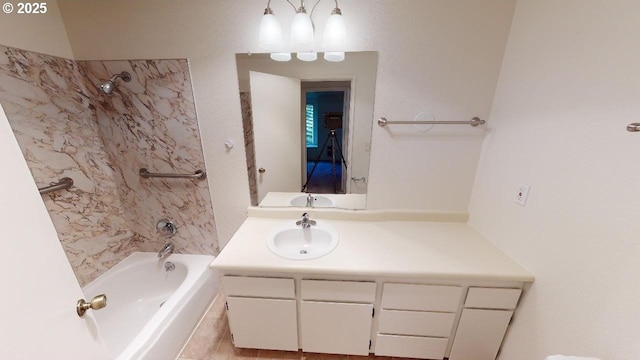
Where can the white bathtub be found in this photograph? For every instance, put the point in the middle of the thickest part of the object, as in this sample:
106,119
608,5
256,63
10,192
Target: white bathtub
151,312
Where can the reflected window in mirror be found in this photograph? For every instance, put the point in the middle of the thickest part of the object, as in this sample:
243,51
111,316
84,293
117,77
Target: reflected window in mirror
311,126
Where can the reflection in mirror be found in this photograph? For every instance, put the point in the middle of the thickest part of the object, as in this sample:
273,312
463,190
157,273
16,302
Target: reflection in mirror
307,129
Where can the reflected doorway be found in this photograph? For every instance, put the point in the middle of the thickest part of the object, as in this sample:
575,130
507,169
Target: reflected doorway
325,127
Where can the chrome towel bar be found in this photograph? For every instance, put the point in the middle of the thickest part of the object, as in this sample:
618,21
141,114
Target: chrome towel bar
198,175
475,121
64,183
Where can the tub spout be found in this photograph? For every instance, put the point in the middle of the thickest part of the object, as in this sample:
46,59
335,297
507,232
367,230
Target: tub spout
166,249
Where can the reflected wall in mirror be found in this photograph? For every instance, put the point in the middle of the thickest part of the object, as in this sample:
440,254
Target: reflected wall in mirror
308,128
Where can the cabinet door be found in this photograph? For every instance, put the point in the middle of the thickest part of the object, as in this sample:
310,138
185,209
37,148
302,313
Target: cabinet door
263,323
480,334
336,328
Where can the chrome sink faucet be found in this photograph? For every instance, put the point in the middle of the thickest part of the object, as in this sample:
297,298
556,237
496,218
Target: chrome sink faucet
166,249
309,201
305,222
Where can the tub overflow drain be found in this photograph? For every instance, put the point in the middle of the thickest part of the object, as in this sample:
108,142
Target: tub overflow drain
169,266
303,252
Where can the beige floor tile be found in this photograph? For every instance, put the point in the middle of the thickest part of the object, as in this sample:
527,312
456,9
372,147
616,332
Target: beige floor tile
279,355
217,309
205,339
226,350
318,356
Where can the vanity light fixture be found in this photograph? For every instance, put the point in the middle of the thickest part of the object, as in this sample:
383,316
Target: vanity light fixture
270,37
303,35
335,36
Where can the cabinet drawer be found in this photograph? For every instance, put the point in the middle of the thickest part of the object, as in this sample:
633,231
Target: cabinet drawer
416,323
492,298
347,291
421,297
411,346
258,287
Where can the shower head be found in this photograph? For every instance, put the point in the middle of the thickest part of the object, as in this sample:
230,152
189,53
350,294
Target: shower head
108,86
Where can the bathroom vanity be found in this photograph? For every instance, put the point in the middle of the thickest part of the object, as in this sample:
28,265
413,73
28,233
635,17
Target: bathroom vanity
420,289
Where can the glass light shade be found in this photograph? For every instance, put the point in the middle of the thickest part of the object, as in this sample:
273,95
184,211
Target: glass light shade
280,56
301,33
334,56
307,56
335,34
270,36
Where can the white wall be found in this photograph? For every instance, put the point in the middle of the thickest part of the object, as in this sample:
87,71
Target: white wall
437,56
44,33
442,56
567,90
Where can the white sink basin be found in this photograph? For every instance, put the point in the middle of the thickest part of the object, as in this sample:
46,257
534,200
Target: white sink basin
318,201
291,241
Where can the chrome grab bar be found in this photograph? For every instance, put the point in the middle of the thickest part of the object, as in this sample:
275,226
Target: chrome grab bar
64,183
475,121
199,175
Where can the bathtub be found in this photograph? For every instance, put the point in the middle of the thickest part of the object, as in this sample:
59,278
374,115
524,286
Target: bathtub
151,312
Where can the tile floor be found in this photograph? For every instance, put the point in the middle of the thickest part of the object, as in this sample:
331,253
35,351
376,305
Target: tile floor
212,340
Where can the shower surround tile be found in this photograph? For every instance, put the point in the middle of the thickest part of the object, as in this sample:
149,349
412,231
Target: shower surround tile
66,128
247,125
49,109
150,122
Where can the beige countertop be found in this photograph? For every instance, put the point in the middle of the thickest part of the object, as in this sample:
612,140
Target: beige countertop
431,249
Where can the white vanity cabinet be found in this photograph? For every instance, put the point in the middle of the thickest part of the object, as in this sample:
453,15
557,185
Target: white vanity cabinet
436,288
483,324
336,316
356,317
417,320
262,312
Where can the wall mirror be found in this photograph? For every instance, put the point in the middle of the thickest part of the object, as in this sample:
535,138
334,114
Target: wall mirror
308,129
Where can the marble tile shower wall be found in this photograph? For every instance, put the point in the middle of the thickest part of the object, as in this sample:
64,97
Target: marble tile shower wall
50,111
150,122
249,148
66,128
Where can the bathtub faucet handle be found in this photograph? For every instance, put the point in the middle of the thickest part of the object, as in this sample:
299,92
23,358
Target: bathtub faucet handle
97,303
166,228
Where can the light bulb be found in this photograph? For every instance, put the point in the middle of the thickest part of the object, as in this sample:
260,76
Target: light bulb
334,56
307,56
280,56
335,34
301,32
270,36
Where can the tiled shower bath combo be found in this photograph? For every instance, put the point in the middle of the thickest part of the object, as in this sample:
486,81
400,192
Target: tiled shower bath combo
67,127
